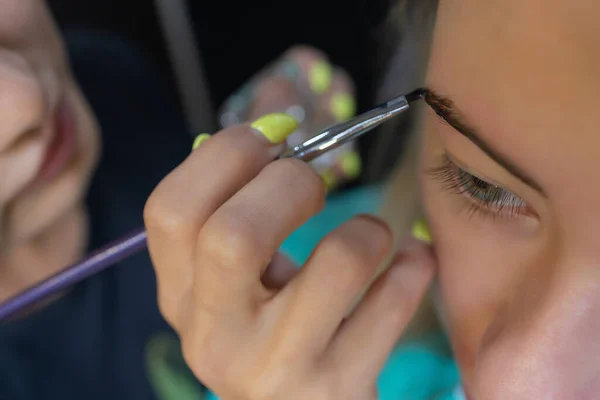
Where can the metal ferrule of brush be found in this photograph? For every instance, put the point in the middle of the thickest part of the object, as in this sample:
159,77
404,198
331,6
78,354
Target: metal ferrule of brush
337,135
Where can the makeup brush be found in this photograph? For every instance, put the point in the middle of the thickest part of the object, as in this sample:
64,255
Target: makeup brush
123,248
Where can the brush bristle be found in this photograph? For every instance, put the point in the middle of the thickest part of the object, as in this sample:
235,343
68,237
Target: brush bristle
416,95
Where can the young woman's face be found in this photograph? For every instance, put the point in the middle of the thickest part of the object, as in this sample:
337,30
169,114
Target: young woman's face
511,185
48,142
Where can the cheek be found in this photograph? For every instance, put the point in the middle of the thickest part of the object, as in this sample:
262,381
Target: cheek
468,294
25,21
479,269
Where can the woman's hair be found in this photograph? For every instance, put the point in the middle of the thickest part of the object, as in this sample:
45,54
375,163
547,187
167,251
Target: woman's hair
404,43
394,155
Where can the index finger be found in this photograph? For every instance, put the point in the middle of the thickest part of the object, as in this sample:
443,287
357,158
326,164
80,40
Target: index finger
186,198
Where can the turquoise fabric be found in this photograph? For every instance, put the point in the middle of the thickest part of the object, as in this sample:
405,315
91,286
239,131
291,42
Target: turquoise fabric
419,370
338,209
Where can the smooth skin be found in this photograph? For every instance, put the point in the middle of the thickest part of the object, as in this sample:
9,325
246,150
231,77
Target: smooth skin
520,294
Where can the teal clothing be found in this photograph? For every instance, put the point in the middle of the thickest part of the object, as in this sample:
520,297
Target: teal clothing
419,370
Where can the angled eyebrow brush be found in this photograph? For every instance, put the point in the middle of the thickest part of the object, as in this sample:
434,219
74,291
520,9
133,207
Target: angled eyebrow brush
327,140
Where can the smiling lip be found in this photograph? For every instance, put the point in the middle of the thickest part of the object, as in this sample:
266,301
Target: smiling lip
62,145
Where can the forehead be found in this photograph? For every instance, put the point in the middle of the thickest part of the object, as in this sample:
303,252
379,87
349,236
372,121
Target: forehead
538,47
527,75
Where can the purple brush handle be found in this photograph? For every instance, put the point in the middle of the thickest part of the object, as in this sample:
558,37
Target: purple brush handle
327,140
96,262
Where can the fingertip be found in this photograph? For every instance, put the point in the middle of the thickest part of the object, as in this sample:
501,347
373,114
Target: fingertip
414,262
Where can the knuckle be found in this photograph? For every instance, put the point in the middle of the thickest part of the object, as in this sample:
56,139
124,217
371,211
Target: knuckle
153,207
228,241
162,216
397,308
398,299
206,354
191,351
239,156
360,247
302,179
170,304
200,350
406,296
351,253
165,306
239,153
372,234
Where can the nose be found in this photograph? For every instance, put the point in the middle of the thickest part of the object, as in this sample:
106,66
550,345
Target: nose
546,343
22,101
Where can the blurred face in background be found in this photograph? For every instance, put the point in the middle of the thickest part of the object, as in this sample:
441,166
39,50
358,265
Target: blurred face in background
48,149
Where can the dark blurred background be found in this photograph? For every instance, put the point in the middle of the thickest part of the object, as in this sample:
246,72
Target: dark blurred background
237,37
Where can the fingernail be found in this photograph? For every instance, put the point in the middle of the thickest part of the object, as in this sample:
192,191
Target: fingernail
329,179
343,106
351,165
201,138
421,232
275,127
320,77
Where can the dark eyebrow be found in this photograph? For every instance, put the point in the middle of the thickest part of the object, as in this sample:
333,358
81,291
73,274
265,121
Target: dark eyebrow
445,109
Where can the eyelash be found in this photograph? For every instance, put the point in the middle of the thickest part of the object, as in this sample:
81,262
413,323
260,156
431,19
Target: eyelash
484,197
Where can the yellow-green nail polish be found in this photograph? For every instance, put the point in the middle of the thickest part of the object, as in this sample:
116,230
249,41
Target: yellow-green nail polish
320,77
343,106
329,179
201,138
351,165
276,127
421,231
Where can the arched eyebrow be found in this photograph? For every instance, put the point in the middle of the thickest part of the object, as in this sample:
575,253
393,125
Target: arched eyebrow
444,107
